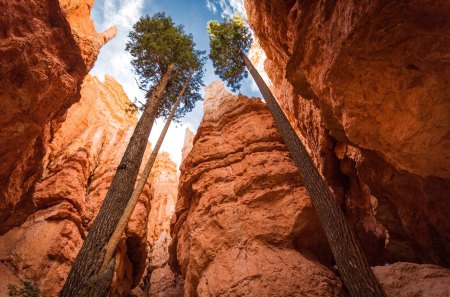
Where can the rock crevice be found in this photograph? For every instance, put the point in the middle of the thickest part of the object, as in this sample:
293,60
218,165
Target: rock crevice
372,115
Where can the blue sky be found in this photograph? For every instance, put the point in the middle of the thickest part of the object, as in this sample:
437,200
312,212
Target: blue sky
114,60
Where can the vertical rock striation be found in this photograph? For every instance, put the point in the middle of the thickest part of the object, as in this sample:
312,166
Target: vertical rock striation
46,49
159,279
244,225
78,168
365,85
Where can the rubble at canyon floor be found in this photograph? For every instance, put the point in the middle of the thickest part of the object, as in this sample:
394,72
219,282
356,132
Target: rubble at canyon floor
365,87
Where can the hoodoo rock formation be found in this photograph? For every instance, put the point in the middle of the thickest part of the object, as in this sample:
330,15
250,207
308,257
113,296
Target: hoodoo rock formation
163,282
79,165
244,224
159,280
366,86
46,49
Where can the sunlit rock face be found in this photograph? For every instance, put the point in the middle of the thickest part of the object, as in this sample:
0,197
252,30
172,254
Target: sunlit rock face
188,143
83,30
79,165
46,49
159,280
244,225
365,86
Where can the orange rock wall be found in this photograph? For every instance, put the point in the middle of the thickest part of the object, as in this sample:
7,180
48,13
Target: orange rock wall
46,49
78,168
410,279
57,163
158,279
365,85
244,225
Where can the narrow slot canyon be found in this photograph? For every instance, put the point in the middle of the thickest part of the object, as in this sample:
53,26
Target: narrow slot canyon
365,86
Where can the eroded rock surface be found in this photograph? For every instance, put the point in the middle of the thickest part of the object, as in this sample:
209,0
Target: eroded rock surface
244,225
366,87
46,49
78,168
159,280
409,279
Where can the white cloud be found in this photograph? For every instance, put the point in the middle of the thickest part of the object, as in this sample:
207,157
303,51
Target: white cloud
115,61
113,58
228,7
211,6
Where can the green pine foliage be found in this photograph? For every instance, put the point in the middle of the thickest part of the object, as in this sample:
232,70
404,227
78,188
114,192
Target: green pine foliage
190,97
228,41
155,43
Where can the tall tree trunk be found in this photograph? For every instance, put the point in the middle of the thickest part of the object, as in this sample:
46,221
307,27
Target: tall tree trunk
350,259
84,279
115,237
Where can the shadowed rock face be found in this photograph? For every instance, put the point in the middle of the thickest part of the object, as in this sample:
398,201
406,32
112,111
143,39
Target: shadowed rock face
79,165
244,225
159,280
409,279
243,214
46,49
366,86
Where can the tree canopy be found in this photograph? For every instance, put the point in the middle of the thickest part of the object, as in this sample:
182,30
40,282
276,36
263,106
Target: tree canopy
190,97
228,41
156,42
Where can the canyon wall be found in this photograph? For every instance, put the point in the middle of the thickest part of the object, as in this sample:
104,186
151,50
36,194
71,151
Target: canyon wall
244,224
57,163
243,214
365,85
46,49
159,280
79,165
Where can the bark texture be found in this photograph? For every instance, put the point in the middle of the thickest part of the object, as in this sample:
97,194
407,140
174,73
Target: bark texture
244,222
348,254
365,85
79,166
115,237
159,280
90,258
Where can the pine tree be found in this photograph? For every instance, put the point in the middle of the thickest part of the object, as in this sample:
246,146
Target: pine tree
115,237
229,43
163,56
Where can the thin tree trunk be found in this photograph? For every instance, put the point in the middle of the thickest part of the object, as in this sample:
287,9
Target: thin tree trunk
115,237
84,279
350,259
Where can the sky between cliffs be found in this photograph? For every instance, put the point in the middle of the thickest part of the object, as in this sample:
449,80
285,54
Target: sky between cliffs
114,60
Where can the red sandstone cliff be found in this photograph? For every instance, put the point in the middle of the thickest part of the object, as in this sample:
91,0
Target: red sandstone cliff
243,213
366,86
159,280
46,49
56,166
244,224
78,168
